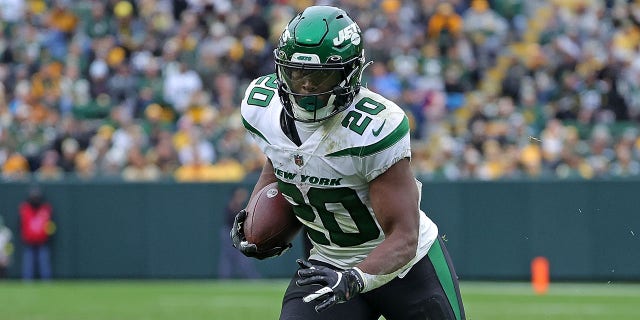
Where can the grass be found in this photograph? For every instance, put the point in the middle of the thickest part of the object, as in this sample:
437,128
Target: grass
564,301
247,300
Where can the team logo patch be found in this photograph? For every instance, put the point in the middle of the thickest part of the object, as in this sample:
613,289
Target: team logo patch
298,160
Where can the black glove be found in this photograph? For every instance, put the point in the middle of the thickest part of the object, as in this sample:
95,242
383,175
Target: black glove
337,286
250,249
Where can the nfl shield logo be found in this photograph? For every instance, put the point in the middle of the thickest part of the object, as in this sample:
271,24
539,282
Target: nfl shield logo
297,159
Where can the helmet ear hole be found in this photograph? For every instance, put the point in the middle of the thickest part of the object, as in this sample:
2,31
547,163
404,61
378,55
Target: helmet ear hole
334,59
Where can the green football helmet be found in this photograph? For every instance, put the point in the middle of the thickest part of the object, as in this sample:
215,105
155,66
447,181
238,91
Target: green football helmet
319,63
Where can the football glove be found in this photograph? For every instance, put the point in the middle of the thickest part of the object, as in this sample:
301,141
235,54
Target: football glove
250,249
337,286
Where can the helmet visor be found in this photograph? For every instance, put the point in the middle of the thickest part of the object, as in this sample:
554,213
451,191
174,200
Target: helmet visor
303,81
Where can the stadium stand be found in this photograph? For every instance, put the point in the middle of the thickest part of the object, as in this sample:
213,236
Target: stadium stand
150,89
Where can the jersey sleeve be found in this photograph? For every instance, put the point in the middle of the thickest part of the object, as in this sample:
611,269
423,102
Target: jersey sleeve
391,145
259,107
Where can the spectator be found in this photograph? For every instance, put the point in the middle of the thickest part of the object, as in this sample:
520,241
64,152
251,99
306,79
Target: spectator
385,82
152,79
6,248
61,22
37,227
601,153
74,90
49,169
531,160
70,148
164,155
573,167
493,166
255,22
12,11
197,144
624,165
15,168
195,170
231,262
123,86
98,24
85,167
139,168
179,86
445,26
553,137
487,31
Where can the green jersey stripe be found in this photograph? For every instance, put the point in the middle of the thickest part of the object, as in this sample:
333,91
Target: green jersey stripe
396,135
254,130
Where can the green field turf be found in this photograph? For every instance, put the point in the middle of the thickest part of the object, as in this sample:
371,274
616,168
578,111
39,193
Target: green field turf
247,300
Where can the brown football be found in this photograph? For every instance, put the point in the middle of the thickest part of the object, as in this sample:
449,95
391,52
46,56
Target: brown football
270,219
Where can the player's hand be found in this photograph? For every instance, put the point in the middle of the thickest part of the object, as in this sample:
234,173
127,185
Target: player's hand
250,249
337,286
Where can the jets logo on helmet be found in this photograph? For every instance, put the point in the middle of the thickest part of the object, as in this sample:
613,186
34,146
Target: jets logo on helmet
351,32
319,63
286,35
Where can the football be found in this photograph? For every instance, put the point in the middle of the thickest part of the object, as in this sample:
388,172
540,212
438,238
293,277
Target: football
270,219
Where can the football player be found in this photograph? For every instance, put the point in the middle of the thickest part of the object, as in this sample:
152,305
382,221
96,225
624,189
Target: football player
340,154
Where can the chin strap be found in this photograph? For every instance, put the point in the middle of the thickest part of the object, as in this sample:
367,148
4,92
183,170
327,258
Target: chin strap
289,128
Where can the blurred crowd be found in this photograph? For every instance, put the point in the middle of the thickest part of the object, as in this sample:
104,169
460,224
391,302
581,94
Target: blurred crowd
147,90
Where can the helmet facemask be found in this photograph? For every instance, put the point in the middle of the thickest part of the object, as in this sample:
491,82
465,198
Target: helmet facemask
312,93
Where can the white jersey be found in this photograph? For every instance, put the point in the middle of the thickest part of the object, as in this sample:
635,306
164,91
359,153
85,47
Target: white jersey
327,177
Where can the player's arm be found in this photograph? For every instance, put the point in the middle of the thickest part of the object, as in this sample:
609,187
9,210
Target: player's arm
394,198
266,177
237,230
